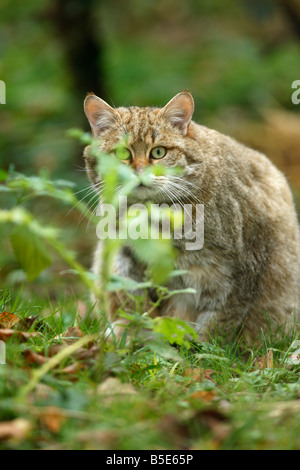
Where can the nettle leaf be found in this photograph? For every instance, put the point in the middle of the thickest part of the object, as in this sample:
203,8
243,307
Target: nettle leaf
84,137
174,330
5,189
124,283
164,350
3,175
158,254
30,251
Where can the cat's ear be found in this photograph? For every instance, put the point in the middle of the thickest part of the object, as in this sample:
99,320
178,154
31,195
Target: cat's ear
99,113
179,111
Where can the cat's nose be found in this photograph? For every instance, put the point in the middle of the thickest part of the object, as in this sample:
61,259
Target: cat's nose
139,170
139,165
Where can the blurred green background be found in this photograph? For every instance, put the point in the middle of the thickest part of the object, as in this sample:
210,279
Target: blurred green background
238,58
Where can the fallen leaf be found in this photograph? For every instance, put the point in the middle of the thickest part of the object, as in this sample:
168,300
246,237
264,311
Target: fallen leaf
53,350
52,418
34,358
28,322
71,335
8,320
71,369
195,374
199,374
74,332
17,429
6,333
83,353
264,362
203,395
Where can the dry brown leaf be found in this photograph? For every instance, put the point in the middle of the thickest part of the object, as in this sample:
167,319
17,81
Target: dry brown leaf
53,350
203,395
195,374
71,335
27,323
6,333
74,332
52,418
199,374
17,429
83,353
34,358
71,369
265,362
8,320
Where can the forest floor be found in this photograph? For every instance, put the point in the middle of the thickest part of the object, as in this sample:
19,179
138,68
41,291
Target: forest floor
62,389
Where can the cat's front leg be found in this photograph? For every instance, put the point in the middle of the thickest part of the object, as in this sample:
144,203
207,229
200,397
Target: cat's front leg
126,266
208,322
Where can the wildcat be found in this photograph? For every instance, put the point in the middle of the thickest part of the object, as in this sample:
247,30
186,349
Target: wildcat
247,274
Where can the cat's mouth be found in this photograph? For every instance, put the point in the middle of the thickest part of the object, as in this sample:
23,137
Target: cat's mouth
144,191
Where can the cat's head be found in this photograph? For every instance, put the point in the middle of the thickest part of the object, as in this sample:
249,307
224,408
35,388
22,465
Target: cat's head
154,136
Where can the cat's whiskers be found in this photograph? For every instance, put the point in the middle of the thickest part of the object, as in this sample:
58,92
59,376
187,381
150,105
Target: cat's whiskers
189,183
173,196
182,191
89,187
185,183
178,188
80,168
89,190
87,212
177,193
185,192
92,189
167,194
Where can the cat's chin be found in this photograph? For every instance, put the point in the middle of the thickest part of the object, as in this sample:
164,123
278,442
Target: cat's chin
143,194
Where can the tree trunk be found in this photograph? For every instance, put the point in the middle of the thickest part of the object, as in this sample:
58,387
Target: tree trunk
73,21
291,8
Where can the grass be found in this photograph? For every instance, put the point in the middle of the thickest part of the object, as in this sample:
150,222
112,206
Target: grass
65,387
211,396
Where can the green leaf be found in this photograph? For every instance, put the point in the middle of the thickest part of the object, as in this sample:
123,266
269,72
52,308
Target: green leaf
174,330
158,254
83,137
211,356
164,350
124,283
3,175
30,251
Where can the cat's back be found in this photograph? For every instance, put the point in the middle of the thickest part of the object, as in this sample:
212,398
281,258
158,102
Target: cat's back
236,168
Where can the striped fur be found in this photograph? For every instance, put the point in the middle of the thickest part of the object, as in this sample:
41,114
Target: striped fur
247,274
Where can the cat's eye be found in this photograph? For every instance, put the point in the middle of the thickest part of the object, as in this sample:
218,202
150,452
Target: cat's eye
122,153
158,152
